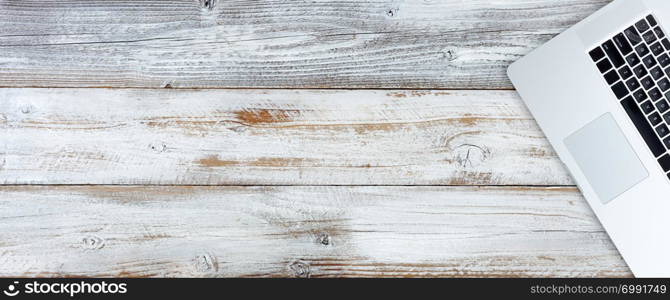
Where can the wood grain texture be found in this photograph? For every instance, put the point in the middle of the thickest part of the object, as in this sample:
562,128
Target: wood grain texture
268,137
318,44
145,159
301,231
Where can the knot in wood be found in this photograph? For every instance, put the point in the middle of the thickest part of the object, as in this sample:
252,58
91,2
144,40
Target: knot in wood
93,242
449,54
205,263
470,156
26,109
299,269
323,239
392,12
208,4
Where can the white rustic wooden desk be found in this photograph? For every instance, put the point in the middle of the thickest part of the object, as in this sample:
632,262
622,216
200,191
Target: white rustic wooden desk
283,138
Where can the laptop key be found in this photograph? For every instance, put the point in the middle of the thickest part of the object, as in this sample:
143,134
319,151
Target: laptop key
655,119
632,60
642,26
656,73
649,37
643,127
666,141
647,107
664,60
662,106
649,61
651,20
655,94
664,161
623,44
664,84
642,50
662,130
632,35
647,82
666,43
613,76
639,71
619,90
657,48
640,96
666,117
632,84
626,72
659,32
597,54
613,53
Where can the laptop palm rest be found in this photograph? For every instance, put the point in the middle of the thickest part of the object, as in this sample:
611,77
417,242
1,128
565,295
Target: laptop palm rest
605,157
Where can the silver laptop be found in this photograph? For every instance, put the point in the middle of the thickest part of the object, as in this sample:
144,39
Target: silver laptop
600,91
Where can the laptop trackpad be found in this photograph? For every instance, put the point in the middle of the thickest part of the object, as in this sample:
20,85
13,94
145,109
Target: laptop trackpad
606,158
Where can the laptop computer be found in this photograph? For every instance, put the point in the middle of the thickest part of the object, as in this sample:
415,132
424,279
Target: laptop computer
600,91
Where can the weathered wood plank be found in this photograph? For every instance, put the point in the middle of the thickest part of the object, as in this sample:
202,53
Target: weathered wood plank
319,44
300,231
267,137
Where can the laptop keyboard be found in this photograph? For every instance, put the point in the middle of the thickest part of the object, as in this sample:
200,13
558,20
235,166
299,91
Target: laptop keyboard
636,65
